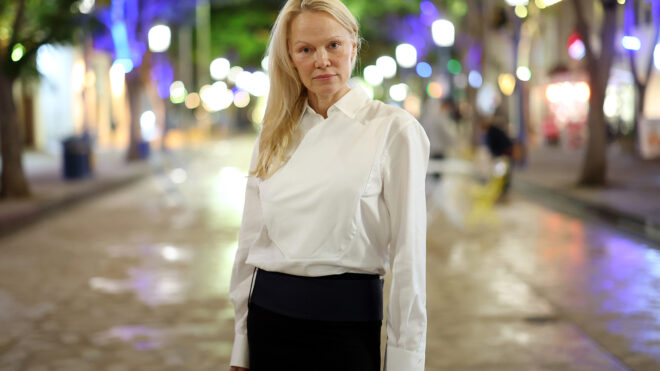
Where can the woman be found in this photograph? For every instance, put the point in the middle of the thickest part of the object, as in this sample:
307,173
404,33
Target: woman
335,198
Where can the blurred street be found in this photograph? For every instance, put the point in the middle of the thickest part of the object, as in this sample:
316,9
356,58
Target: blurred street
137,279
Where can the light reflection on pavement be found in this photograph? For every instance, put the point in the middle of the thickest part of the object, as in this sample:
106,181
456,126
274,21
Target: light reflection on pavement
138,279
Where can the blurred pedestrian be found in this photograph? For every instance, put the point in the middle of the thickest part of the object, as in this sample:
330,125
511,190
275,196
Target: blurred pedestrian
438,122
500,147
335,197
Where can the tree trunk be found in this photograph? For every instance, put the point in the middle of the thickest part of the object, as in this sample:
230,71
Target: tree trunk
134,91
594,169
594,166
13,182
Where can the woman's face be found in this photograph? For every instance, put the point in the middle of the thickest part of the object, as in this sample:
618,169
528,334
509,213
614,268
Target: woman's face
322,51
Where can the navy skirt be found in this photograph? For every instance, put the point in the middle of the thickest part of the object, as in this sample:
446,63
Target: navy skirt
315,323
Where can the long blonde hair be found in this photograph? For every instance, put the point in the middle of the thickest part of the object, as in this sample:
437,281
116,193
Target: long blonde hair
287,95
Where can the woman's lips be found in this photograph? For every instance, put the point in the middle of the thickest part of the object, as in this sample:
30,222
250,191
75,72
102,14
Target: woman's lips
324,77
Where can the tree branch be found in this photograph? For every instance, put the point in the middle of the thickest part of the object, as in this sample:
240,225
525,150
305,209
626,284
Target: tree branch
633,68
655,40
584,31
608,34
18,22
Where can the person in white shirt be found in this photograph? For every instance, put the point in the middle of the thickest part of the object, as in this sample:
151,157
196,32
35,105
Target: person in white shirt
335,198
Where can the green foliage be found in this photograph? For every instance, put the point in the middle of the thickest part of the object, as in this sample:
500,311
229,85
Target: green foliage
242,27
40,22
243,31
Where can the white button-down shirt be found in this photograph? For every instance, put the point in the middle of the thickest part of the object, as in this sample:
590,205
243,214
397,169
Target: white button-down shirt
349,198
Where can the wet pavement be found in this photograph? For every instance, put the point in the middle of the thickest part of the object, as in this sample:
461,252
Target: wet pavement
137,280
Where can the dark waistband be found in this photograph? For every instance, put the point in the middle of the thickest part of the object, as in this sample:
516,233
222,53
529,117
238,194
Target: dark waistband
342,297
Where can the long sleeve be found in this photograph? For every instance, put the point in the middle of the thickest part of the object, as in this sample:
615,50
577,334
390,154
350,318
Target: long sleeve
404,172
241,276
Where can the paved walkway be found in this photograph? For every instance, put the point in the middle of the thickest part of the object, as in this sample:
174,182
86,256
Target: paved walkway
137,280
631,200
50,191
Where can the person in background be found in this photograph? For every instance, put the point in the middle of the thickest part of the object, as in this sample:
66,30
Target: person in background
500,146
439,123
334,200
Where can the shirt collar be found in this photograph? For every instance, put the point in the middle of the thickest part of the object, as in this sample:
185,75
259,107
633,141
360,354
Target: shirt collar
353,101
349,104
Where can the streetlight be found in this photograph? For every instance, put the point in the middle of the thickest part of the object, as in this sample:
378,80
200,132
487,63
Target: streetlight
159,37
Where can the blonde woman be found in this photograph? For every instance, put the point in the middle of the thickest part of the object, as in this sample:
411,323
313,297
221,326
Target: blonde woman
334,200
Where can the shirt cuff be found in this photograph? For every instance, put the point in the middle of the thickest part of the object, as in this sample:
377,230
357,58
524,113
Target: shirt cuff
240,353
398,359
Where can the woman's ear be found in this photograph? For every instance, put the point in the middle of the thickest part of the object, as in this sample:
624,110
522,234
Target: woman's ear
354,52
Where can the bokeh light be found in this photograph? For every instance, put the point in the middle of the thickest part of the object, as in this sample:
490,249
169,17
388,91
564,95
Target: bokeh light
521,11
220,68
159,37
86,6
454,66
424,69
177,92
260,84
117,79
372,75
387,66
234,72
399,92
631,43
443,32
474,79
524,73
17,52
434,90
148,125
507,83
413,105
192,100
406,55
241,99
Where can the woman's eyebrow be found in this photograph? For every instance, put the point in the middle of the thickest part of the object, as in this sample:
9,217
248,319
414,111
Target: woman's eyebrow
331,38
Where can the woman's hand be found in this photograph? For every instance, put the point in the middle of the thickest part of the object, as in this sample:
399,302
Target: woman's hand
234,368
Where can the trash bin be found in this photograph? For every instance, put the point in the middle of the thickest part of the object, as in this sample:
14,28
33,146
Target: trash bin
77,157
144,148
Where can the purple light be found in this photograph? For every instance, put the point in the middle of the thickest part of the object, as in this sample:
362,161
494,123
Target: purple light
429,13
411,30
162,74
473,57
628,19
428,8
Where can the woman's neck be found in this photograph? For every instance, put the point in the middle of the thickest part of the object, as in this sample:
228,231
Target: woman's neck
321,104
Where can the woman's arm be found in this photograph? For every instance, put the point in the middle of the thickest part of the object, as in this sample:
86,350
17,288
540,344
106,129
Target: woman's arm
241,277
404,174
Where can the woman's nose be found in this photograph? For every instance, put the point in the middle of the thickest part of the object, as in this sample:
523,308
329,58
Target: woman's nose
321,59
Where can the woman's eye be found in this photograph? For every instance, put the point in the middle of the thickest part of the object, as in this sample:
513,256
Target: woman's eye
334,45
305,50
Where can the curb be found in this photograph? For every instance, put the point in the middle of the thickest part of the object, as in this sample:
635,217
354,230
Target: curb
566,203
14,223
